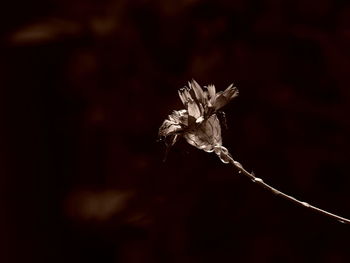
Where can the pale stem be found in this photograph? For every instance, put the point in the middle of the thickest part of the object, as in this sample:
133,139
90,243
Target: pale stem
260,182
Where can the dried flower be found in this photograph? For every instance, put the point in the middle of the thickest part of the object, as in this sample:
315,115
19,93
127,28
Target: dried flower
198,122
200,126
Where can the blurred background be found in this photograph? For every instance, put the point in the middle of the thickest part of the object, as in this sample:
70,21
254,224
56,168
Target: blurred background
85,86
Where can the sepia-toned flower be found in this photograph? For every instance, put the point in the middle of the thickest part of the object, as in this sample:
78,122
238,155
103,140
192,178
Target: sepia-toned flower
198,122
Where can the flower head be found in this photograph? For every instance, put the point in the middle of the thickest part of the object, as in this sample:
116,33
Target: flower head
198,122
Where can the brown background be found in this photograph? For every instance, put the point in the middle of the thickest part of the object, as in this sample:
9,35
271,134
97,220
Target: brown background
85,86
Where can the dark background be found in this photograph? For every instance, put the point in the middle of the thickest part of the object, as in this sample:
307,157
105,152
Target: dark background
85,86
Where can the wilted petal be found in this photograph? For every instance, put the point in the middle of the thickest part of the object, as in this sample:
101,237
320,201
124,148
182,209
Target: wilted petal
222,98
182,97
193,109
174,124
183,117
206,95
172,128
173,118
197,91
211,93
179,117
201,109
169,127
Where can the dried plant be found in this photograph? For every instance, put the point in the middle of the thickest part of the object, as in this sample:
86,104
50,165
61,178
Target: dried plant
198,123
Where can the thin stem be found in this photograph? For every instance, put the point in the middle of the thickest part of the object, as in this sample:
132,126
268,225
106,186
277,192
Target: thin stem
283,195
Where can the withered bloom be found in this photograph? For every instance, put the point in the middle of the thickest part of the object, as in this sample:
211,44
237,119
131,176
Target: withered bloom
198,122
199,125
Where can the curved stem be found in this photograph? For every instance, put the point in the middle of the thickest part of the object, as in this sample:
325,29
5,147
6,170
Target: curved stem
283,195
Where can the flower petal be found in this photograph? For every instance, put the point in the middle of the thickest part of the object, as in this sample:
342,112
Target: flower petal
182,97
187,94
193,109
211,93
168,128
174,124
197,91
222,98
175,117
183,117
